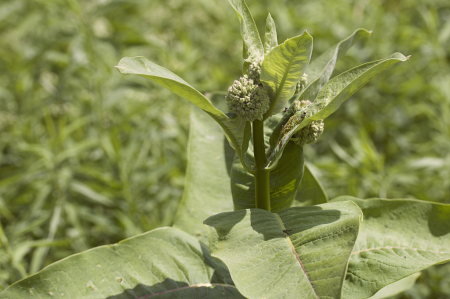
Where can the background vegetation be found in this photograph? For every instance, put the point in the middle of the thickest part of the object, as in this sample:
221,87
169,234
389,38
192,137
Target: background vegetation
89,157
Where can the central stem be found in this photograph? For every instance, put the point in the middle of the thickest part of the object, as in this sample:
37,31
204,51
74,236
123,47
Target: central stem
262,181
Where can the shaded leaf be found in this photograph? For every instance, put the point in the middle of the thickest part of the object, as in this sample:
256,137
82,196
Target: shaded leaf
284,181
207,188
310,191
148,264
401,234
301,252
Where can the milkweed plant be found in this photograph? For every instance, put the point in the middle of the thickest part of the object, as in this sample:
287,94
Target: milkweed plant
254,221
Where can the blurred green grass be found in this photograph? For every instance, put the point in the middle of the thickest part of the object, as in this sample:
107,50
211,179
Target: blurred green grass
90,157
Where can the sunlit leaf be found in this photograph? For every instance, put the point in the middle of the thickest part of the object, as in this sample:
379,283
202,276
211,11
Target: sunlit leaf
236,129
401,234
333,94
146,265
253,47
283,67
301,252
270,37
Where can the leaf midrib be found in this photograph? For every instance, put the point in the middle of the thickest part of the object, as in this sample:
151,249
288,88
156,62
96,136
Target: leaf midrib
395,247
281,86
288,239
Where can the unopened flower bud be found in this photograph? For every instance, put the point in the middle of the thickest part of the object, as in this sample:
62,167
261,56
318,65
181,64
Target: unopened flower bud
254,71
247,99
301,84
308,134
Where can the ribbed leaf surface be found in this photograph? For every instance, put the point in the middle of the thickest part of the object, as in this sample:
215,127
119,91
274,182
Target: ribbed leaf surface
301,252
163,263
398,238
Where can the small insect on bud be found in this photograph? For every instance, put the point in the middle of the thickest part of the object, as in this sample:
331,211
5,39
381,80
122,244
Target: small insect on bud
285,109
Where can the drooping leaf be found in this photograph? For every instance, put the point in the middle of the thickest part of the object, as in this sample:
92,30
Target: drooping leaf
310,192
396,287
284,181
236,129
283,67
301,252
270,37
163,263
207,188
398,238
253,47
333,94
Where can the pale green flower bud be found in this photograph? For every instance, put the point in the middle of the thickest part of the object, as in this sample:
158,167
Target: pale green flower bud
248,100
301,84
254,71
310,133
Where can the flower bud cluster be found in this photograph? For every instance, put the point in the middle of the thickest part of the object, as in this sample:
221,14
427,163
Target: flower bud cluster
247,99
254,72
310,133
301,84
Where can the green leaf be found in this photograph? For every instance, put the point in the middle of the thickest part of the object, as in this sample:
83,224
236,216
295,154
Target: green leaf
398,238
236,129
320,69
207,188
310,191
301,252
284,181
283,67
319,72
270,37
396,287
333,94
163,263
253,47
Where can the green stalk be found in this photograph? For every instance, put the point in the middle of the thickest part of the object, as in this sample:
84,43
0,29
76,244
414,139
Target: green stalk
262,182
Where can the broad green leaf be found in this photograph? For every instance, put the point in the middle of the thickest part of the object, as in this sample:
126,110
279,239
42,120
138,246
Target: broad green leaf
284,181
283,67
398,238
319,72
310,191
301,252
163,263
236,129
396,287
270,37
207,188
333,94
253,47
